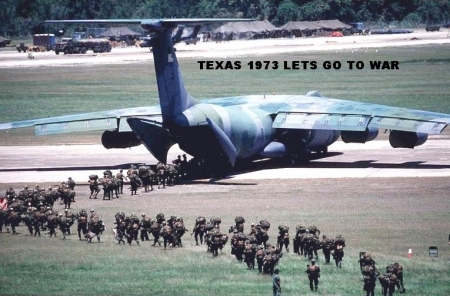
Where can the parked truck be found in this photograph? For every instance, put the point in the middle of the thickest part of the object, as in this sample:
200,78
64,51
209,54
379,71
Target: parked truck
74,46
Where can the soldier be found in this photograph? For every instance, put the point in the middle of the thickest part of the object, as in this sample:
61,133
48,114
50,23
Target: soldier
82,223
39,219
120,229
397,269
135,182
327,246
133,229
260,258
313,272
63,225
199,229
216,222
249,255
120,180
10,194
366,260
52,223
95,227
28,218
93,186
338,253
276,282
299,240
216,241
145,227
283,237
370,274
69,217
388,282
71,183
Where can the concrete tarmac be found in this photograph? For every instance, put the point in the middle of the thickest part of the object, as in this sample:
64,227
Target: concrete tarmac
374,159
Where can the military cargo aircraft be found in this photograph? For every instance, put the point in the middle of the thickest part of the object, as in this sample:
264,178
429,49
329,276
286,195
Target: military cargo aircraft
225,131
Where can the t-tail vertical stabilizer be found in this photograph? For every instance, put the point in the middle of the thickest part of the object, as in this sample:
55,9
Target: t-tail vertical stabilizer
173,96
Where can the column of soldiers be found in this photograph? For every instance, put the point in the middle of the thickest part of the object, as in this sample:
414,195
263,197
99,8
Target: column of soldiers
247,248
129,227
253,248
23,207
392,278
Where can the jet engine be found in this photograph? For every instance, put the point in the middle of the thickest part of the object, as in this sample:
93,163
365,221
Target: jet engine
402,139
116,139
359,136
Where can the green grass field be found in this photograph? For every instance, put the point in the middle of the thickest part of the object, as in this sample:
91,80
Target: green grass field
384,217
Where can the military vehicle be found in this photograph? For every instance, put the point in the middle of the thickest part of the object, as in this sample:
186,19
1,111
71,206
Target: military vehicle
74,46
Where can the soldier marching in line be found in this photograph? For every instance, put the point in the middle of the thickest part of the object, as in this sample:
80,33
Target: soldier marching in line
327,245
10,194
82,223
365,260
370,274
93,186
397,269
313,272
133,228
250,252
338,252
120,179
71,184
199,229
276,283
145,226
283,237
388,282
52,223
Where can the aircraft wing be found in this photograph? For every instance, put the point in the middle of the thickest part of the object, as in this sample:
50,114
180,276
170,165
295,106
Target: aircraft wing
331,114
102,120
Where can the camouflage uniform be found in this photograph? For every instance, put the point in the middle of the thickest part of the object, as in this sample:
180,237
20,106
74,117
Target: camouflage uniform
82,223
120,179
276,283
327,246
145,227
313,272
370,275
10,194
199,229
388,282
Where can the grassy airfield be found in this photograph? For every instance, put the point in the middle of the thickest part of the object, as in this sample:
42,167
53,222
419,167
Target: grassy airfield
384,217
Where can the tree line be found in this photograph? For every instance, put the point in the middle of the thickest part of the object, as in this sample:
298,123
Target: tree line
22,17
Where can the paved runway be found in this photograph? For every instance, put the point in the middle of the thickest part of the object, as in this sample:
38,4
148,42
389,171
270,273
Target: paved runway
371,160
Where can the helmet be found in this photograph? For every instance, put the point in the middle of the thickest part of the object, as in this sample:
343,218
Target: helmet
143,215
313,260
92,210
66,210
